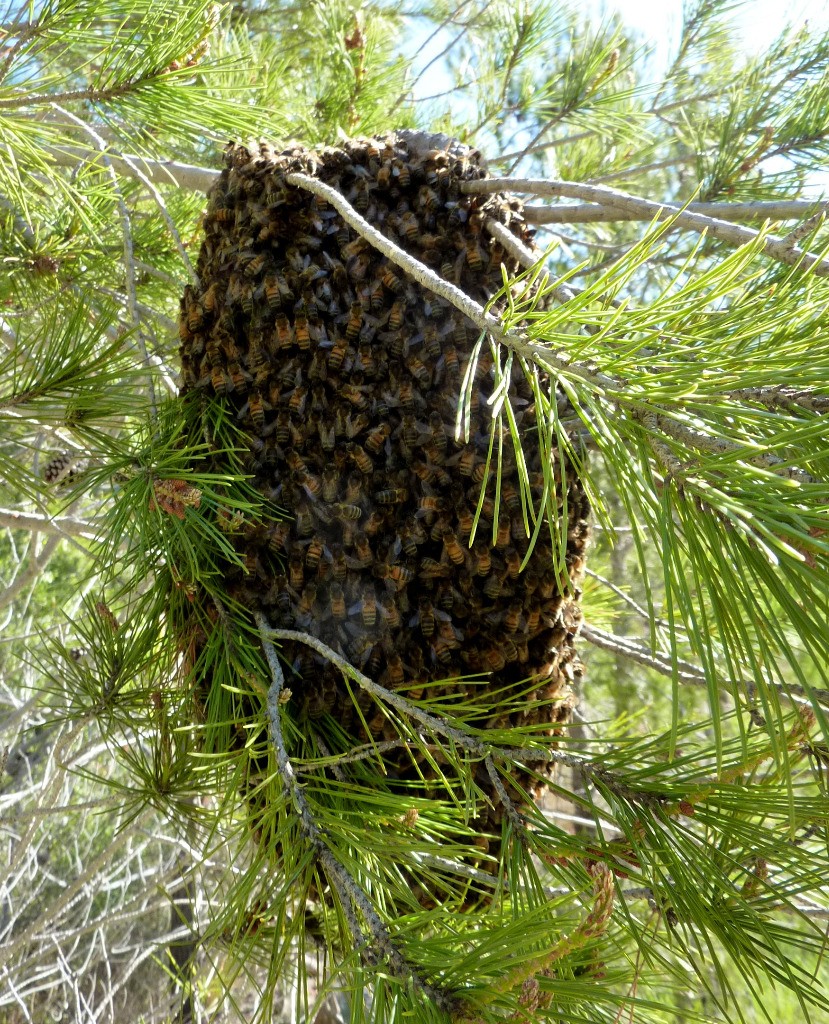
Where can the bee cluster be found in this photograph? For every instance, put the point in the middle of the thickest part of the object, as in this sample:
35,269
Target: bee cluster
345,375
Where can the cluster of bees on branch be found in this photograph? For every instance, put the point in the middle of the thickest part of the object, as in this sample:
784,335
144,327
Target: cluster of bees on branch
344,375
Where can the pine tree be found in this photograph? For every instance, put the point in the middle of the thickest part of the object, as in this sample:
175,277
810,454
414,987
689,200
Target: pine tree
388,842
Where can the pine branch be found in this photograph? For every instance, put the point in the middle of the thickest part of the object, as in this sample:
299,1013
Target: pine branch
713,227
353,899
37,566
129,256
685,671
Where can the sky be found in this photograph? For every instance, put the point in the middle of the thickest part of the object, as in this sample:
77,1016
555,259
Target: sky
757,22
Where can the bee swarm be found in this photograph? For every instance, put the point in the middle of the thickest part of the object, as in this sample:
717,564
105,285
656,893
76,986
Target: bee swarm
345,375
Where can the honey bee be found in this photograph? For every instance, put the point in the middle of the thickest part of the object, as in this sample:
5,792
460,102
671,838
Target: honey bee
252,565
272,292
257,363
278,536
238,377
503,535
409,227
450,357
390,279
369,608
218,380
256,265
453,548
401,171
512,616
483,366
296,573
406,396
330,484
392,496
484,559
428,199
336,596
377,438
396,313
301,333
496,256
223,214
307,599
513,560
374,523
474,256
298,398
431,345
509,495
284,334
395,572
367,360
257,410
430,503
339,564
425,471
494,586
361,195
343,510
384,176
433,570
466,463
426,616
337,354
319,400
438,432
283,427
466,521
314,552
327,437
354,487
359,457
317,371
311,483
480,472
353,394
358,267
304,522
406,540
322,702
493,659
408,430
393,676
195,317
533,620
374,295
295,461
363,556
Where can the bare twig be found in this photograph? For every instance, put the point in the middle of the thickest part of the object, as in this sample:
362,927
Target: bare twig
640,611
43,524
590,213
35,568
164,172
